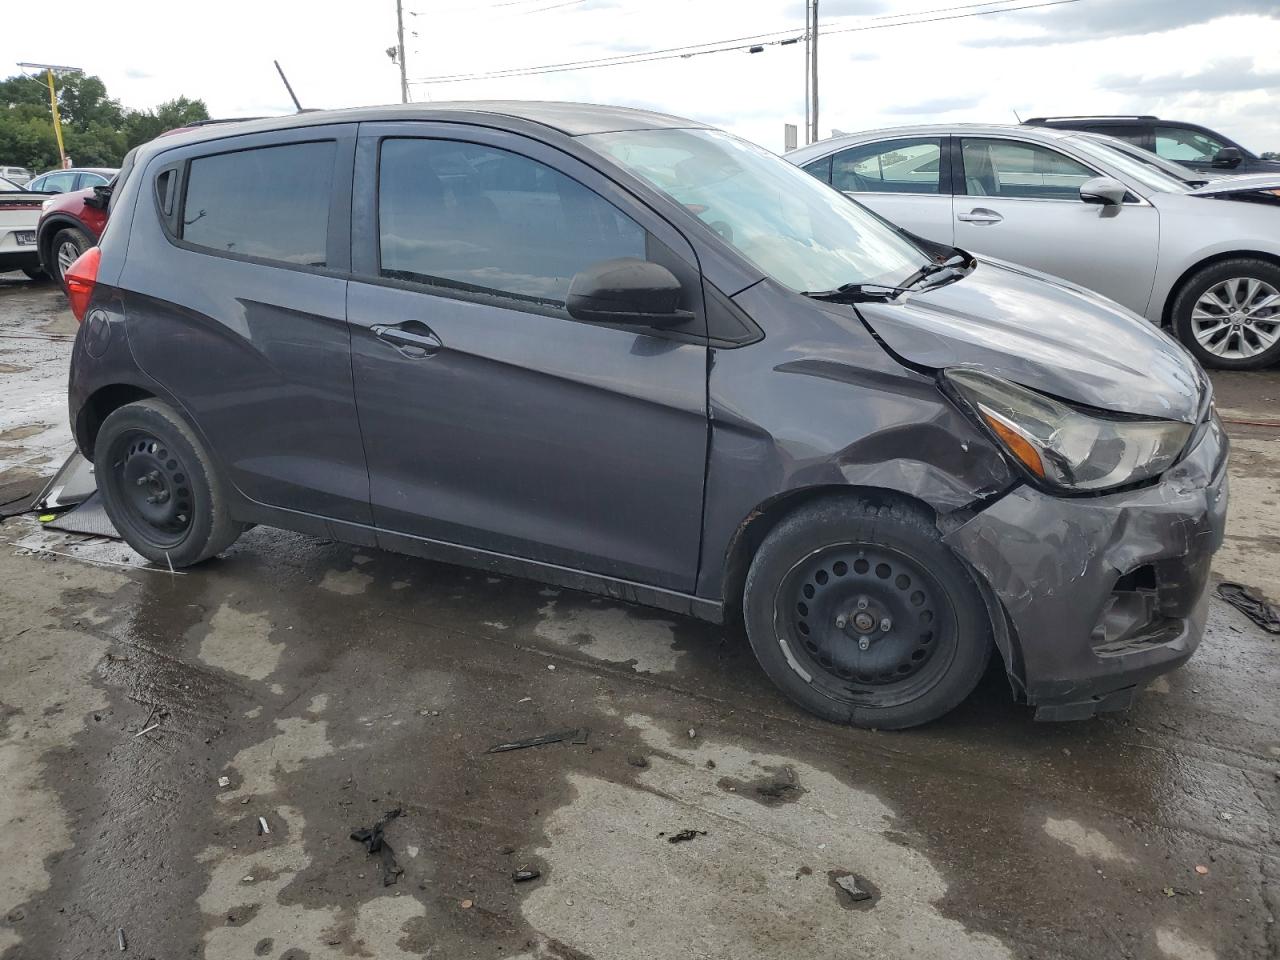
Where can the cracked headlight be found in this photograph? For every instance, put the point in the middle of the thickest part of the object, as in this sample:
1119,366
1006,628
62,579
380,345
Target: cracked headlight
1067,447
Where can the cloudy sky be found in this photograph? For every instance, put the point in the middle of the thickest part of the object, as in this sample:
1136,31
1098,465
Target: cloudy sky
1214,62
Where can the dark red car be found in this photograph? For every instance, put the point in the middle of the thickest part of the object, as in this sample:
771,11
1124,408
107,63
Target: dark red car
70,223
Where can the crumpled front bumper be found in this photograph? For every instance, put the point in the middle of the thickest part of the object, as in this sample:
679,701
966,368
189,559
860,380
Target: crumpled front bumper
1103,593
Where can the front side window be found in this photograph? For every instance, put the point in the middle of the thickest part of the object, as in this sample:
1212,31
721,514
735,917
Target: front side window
1182,144
267,202
55,183
1014,168
472,217
890,166
776,215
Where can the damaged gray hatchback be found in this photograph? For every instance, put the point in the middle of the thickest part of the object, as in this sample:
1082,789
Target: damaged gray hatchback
632,355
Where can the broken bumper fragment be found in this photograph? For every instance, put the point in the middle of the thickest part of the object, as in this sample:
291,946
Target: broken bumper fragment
1103,593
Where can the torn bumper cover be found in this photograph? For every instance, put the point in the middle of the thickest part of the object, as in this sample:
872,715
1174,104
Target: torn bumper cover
1103,593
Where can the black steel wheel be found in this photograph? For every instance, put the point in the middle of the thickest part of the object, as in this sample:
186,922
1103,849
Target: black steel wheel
159,486
863,615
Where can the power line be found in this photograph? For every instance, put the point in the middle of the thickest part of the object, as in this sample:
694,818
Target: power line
737,43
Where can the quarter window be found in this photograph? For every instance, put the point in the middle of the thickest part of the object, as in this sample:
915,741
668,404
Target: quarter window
1180,143
268,202
1011,168
472,217
890,166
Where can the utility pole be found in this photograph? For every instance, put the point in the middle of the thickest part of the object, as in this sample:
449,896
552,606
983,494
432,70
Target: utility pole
813,67
808,53
404,82
50,69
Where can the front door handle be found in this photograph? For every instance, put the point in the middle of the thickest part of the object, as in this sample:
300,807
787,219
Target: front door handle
412,338
980,215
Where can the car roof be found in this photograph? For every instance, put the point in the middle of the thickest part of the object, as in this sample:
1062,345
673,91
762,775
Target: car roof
573,119
824,147
106,171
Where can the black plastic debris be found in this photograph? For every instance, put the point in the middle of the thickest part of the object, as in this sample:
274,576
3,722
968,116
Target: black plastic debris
576,735
525,874
1251,604
685,835
375,842
849,884
638,761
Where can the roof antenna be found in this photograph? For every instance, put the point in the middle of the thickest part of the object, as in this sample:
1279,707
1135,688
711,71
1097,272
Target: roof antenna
292,95
1015,112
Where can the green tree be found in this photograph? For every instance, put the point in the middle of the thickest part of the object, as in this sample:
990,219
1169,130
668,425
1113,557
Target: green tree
96,130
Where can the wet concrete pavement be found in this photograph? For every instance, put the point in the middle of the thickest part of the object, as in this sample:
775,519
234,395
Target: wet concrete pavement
330,684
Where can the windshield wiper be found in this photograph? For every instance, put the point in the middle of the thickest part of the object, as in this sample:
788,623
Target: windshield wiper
953,266
856,293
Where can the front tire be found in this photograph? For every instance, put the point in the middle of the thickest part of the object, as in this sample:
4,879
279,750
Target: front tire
68,244
160,487
1228,314
862,615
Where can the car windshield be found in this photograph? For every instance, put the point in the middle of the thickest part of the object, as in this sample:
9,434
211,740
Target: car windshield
1147,158
794,228
1146,174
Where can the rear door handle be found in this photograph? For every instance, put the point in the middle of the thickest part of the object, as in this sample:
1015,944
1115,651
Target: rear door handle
412,338
980,215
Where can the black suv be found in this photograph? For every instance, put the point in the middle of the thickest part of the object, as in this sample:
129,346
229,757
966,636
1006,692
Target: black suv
630,354
1189,144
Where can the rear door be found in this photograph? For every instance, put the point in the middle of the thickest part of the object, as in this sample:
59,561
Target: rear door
492,419
235,291
906,180
1020,201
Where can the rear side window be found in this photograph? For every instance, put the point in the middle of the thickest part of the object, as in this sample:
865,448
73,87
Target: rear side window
268,202
890,166
820,169
476,218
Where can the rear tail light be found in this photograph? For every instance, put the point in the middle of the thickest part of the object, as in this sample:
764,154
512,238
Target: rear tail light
81,277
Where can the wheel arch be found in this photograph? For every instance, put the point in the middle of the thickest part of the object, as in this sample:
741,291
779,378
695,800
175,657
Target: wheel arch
767,515
48,229
101,404
1166,312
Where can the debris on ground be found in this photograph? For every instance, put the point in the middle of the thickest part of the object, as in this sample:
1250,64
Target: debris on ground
1251,603
1202,869
642,762
684,835
375,842
525,874
262,826
121,942
224,782
849,884
465,904
576,735
783,787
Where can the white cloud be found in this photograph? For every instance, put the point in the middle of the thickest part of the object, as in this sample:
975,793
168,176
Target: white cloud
1077,58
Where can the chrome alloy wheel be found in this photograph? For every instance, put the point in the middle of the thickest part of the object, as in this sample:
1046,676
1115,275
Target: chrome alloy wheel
1237,318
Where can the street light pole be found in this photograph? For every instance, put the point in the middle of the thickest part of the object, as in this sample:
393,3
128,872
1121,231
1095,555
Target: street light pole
404,82
50,69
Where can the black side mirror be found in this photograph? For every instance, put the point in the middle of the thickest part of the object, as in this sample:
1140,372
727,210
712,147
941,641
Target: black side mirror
100,197
1228,157
626,291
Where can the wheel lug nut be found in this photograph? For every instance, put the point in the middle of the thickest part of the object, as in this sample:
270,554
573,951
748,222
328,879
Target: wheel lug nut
864,643
862,604
840,622
886,624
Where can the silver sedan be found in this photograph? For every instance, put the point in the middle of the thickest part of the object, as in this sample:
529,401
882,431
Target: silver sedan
1202,260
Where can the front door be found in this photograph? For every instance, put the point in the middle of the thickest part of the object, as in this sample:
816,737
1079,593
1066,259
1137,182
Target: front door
906,180
491,418
1020,201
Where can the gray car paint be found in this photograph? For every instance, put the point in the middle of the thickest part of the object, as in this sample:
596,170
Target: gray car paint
823,402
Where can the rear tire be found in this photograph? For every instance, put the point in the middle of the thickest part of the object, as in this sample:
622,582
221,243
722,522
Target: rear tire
841,570
160,487
68,244
1228,314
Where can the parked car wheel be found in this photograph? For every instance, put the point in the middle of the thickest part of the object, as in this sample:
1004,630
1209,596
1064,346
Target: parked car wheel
68,244
1228,314
862,615
160,487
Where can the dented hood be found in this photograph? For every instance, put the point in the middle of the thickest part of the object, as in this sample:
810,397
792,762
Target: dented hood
1247,183
1044,334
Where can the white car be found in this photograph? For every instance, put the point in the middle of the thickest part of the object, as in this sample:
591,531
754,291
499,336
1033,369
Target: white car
19,215
1203,260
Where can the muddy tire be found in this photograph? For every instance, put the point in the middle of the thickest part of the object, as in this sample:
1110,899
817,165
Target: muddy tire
862,615
68,244
160,487
1228,314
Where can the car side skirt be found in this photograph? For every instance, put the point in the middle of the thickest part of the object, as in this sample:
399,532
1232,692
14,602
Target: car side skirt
489,561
